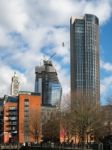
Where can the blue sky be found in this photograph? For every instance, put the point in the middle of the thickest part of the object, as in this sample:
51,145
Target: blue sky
31,30
106,40
106,60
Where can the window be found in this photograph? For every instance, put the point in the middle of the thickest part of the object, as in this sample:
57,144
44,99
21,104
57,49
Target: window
12,108
26,102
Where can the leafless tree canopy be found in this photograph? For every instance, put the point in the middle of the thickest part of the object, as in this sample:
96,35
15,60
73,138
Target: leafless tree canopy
35,127
84,119
51,127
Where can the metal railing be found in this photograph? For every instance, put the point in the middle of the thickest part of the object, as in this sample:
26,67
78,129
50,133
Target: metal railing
52,146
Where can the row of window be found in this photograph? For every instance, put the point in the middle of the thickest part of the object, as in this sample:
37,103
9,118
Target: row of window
26,119
12,108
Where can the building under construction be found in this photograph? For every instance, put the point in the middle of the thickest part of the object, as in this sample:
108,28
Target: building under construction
47,83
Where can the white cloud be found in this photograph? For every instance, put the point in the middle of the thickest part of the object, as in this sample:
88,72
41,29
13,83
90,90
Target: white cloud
59,12
3,38
106,66
106,86
101,8
5,79
40,24
12,15
26,80
63,76
106,82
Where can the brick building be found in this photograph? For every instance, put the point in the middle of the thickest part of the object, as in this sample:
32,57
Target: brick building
1,116
10,122
9,119
21,118
29,123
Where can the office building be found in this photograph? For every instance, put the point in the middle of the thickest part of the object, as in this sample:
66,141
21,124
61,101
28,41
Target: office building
47,83
84,56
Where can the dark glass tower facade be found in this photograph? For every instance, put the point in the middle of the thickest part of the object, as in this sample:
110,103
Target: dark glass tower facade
47,83
84,47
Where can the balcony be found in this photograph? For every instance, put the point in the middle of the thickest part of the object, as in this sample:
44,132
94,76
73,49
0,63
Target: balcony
11,123
13,114
10,129
7,114
12,118
12,109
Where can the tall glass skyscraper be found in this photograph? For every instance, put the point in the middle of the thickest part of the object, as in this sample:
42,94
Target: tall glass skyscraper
47,83
84,48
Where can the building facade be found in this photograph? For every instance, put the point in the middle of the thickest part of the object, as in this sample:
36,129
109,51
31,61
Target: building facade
21,117
29,117
47,83
10,122
1,118
84,56
15,85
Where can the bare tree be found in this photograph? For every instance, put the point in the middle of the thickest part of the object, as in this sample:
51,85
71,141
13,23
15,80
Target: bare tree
107,110
35,128
66,119
67,126
51,127
84,117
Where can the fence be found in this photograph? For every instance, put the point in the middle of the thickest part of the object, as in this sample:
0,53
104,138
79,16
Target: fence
53,146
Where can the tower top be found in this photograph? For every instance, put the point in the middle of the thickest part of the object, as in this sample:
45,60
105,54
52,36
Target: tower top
89,17
15,85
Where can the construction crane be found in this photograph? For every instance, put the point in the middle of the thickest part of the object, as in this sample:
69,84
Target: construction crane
63,44
52,56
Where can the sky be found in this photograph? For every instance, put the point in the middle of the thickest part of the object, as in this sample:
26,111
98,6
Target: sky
33,30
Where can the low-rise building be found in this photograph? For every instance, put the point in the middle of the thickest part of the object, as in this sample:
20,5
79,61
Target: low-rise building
29,114
10,121
20,114
1,118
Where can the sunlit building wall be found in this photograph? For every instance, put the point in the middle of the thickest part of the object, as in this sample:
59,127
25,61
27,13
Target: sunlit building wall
15,85
19,116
